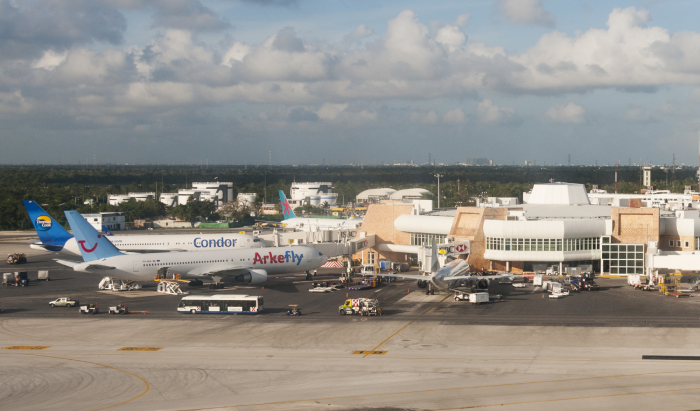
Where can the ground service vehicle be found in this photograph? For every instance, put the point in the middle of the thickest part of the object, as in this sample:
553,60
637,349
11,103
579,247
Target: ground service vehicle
89,309
16,258
355,305
64,302
221,304
119,309
294,310
370,307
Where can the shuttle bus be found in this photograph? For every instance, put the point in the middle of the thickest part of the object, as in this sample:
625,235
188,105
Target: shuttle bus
221,304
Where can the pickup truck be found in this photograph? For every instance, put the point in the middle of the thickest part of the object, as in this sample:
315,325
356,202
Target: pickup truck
64,302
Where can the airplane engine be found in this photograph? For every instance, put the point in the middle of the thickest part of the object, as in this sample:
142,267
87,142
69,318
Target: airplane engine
483,284
253,277
422,283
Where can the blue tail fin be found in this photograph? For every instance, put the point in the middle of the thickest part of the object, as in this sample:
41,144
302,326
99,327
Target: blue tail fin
106,231
286,209
49,230
93,245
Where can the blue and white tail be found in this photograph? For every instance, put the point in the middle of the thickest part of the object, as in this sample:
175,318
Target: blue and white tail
106,231
93,245
286,208
49,230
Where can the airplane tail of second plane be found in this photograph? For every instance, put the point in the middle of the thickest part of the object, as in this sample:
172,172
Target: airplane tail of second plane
286,208
93,245
49,230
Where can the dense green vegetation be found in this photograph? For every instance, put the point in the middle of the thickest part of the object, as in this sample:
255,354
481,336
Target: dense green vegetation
66,187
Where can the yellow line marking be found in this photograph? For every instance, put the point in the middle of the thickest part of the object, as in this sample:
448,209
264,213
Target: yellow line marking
148,387
140,349
369,352
26,347
470,388
411,322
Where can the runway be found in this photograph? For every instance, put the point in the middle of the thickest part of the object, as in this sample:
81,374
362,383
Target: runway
426,353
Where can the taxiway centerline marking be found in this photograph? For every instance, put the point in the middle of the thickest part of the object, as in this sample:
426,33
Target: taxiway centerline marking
411,322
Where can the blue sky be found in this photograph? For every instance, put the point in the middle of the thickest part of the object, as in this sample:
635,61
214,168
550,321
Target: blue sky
227,81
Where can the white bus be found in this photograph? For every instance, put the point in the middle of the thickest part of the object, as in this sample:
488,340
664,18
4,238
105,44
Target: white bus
221,304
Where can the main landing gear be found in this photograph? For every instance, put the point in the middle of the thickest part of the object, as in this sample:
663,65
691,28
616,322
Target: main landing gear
430,290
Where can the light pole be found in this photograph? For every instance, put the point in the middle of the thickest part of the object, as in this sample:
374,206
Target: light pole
438,177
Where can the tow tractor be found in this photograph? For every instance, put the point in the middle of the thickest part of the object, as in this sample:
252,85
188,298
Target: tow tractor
356,305
16,258
89,309
119,309
294,310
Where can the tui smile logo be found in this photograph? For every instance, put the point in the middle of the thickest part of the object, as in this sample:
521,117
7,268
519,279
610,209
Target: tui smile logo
88,250
286,209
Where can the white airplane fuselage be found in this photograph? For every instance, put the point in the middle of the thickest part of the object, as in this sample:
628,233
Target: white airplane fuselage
321,223
205,264
174,242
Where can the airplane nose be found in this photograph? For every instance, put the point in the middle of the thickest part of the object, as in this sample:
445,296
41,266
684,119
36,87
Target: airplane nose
324,259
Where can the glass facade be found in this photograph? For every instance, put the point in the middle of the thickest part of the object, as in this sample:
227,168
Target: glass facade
542,244
427,239
622,258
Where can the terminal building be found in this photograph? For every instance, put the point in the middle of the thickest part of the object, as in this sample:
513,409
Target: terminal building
216,192
113,221
556,227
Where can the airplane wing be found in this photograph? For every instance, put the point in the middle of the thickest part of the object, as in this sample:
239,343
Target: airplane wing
67,263
409,276
222,269
98,267
478,277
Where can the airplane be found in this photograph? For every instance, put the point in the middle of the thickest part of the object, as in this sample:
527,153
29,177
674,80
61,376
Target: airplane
251,266
292,221
53,237
455,275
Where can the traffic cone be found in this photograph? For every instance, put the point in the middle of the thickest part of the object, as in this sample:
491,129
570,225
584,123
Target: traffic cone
263,287
542,295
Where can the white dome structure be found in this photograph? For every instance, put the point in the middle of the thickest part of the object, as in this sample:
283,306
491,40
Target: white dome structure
374,193
409,193
557,194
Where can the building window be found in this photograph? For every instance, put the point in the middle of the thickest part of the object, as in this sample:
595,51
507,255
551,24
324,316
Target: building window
427,239
687,244
678,243
370,258
670,243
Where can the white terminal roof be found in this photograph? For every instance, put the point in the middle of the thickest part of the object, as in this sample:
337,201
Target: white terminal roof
409,192
375,192
558,193
424,224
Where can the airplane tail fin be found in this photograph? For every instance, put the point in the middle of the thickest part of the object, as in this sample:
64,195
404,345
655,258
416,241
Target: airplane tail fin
93,245
106,231
49,230
286,208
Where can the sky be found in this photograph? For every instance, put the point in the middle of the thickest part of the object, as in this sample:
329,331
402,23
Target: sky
352,81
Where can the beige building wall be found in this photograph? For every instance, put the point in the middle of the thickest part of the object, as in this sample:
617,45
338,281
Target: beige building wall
664,243
636,226
379,220
469,225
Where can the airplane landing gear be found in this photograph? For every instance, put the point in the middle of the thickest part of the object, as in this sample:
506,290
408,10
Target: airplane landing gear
308,276
430,290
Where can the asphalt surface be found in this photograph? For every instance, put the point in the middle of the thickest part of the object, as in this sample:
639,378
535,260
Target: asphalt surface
616,304
582,352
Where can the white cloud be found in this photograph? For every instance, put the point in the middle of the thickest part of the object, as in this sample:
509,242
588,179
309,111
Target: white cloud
490,113
566,113
451,37
50,60
455,116
358,33
525,12
330,111
421,117
235,53
463,20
